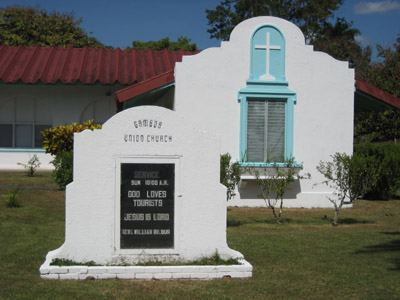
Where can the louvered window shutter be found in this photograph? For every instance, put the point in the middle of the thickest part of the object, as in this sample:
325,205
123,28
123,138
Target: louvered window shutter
265,130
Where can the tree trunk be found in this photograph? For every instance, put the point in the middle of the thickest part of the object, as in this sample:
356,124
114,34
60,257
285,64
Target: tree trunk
277,218
336,218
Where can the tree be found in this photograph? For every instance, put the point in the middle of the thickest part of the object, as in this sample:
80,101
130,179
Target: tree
308,15
33,27
377,126
182,43
351,177
338,40
386,74
273,182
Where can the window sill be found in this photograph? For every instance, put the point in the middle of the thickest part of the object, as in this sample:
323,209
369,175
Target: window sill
265,170
268,165
29,150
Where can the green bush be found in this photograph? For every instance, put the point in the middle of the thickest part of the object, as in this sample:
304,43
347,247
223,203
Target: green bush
59,141
12,199
229,174
377,126
384,160
61,138
63,168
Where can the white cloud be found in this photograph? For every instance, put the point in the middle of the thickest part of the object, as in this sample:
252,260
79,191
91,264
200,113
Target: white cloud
364,8
363,41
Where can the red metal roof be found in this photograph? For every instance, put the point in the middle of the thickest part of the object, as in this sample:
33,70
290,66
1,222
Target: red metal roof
144,86
377,93
50,65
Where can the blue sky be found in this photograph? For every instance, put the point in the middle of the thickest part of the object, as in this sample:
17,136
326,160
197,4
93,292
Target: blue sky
117,23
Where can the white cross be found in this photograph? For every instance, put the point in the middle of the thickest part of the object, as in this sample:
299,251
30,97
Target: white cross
268,47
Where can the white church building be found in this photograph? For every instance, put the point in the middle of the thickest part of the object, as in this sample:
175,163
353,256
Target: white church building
267,93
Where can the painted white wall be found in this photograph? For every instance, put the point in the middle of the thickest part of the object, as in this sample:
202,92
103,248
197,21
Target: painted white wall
62,105
92,199
206,92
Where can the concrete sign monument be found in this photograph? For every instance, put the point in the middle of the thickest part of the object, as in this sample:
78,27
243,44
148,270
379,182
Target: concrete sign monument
146,189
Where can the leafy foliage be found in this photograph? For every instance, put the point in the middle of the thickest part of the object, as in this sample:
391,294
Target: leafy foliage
273,182
386,74
165,43
377,126
31,166
33,27
350,177
229,174
308,15
338,40
61,138
382,160
63,168
68,262
59,141
11,198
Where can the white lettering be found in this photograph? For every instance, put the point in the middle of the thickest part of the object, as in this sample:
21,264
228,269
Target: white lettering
151,182
133,194
150,202
143,231
161,217
133,217
127,231
156,194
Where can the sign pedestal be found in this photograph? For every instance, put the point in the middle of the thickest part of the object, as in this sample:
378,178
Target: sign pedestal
146,189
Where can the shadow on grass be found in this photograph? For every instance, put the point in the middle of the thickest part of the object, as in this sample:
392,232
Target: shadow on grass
391,246
233,223
289,221
354,221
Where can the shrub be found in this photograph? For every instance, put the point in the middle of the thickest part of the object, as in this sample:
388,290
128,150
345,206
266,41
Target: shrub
61,138
11,198
385,160
63,168
377,126
273,181
229,174
59,141
349,177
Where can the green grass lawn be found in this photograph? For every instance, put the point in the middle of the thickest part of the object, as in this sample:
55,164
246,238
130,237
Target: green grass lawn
305,258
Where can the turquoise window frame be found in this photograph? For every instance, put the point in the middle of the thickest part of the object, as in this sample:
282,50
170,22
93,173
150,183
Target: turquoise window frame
28,150
271,94
267,89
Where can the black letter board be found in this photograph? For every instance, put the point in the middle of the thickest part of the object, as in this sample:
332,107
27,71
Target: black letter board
147,205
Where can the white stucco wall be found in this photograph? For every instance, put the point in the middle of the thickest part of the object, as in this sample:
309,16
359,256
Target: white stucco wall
61,105
92,199
206,92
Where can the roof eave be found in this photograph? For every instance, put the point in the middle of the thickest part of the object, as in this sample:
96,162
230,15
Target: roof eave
144,86
377,93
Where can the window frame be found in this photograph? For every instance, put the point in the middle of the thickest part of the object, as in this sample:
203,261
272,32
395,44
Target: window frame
274,87
270,150
284,94
14,123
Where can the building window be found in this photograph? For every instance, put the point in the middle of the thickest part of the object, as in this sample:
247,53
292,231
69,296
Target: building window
266,103
265,130
21,121
99,111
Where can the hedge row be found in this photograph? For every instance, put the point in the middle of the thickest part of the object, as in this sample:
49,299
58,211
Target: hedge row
384,161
